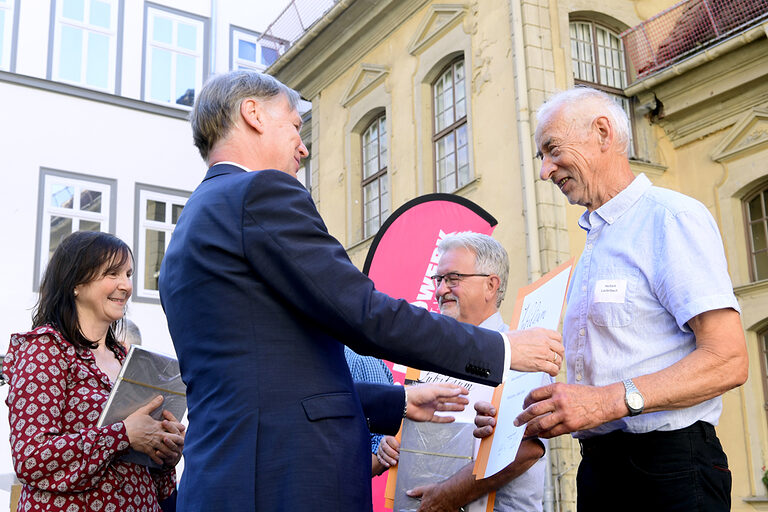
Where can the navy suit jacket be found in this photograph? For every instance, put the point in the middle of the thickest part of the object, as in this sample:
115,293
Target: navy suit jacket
260,300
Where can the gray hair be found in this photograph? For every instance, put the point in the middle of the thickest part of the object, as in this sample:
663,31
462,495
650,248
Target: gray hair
585,104
131,332
490,256
218,104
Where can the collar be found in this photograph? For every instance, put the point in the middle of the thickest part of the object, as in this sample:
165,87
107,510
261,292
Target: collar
494,322
220,168
619,204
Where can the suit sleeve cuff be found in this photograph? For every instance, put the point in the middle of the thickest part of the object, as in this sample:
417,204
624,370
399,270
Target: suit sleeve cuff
507,356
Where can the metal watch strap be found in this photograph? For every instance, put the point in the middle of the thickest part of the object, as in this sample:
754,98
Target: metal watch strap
630,388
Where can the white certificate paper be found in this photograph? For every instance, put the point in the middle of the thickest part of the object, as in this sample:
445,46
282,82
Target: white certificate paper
539,304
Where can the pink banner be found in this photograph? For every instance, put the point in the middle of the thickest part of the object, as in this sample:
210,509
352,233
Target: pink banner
403,257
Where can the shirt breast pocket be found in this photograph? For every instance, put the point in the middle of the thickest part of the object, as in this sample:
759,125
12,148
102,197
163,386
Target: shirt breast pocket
612,302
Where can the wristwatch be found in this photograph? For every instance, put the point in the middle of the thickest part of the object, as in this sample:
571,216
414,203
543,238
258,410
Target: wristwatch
633,398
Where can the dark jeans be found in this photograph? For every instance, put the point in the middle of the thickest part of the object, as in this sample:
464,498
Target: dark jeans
681,470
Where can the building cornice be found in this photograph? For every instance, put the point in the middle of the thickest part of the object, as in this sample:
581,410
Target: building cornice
90,94
345,34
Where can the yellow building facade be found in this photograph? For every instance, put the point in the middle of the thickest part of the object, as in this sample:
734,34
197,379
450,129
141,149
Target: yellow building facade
414,96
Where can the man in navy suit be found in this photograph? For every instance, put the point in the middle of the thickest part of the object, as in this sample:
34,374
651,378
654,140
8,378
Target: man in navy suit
260,301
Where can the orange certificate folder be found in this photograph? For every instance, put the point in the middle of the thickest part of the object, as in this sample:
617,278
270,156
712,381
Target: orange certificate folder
539,304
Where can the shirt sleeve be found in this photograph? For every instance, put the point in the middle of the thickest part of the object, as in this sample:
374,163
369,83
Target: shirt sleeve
165,482
44,456
692,270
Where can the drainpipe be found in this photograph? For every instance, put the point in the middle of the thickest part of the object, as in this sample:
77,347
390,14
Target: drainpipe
524,134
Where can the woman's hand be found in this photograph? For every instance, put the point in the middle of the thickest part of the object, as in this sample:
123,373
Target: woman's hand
161,440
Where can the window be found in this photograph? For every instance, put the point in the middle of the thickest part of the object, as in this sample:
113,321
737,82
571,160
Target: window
756,208
249,53
375,181
597,56
450,129
71,202
173,68
85,43
158,212
6,33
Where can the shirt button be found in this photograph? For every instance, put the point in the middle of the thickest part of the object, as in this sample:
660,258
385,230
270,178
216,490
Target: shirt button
578,376
589,246
583,288
581,332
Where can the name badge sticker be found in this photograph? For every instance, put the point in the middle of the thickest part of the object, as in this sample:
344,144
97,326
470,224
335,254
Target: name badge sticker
611,290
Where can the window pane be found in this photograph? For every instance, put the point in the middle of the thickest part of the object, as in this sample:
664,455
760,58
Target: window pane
758,236
90,201
246,50
761,265
71,53
186,36
97,68
153,257
89,225
755,209
61,227
161,75
73,9
62,196
765,203
155,210
268,55
100,14
162,29
175,212
384,197
185,79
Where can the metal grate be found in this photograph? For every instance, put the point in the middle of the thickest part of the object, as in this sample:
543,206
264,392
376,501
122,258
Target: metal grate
297,17
686,28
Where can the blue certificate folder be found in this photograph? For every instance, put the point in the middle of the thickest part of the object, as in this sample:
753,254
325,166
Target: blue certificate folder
144,375
430,453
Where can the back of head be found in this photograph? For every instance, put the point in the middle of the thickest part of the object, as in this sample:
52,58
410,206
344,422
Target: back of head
80,258
217,106
583,105
490,256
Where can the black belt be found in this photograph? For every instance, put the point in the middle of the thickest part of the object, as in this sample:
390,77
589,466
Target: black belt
618,439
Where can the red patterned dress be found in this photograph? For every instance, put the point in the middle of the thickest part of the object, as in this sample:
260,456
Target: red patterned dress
65,462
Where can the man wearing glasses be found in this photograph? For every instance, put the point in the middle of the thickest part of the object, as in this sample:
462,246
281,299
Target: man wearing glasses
470,284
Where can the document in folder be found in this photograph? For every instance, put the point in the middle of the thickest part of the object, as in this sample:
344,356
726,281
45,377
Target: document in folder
539,304
144,375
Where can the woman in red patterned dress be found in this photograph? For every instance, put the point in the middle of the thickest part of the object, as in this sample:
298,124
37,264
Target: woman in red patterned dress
60,376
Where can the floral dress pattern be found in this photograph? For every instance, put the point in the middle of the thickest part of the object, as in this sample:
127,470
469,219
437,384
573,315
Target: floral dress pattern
64,460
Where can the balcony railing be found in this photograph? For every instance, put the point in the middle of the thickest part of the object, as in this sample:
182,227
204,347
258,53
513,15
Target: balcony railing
685,29
297,17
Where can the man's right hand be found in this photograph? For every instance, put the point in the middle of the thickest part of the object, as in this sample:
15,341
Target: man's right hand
536,350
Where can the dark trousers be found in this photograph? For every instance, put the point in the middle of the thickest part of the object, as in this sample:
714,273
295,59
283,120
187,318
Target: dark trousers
681,470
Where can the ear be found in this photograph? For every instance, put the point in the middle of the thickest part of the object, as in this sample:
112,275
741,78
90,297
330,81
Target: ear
605,133
252,111
492,287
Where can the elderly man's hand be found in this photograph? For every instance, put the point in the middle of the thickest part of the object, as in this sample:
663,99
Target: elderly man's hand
485,419
536,350
563,408
433,498
425,399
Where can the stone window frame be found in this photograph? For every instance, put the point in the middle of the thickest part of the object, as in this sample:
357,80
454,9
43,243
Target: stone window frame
614,28
380,175
143,193
45,210
452,129
751,225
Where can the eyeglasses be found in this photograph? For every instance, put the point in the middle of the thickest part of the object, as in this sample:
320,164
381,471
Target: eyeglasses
453,278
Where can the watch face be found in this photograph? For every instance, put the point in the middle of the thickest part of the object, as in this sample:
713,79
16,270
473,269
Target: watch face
635,401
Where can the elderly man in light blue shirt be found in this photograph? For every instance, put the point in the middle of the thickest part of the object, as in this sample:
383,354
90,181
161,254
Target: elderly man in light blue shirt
652,331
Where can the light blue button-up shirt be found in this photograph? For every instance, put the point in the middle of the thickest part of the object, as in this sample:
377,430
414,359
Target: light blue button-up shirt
652,261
